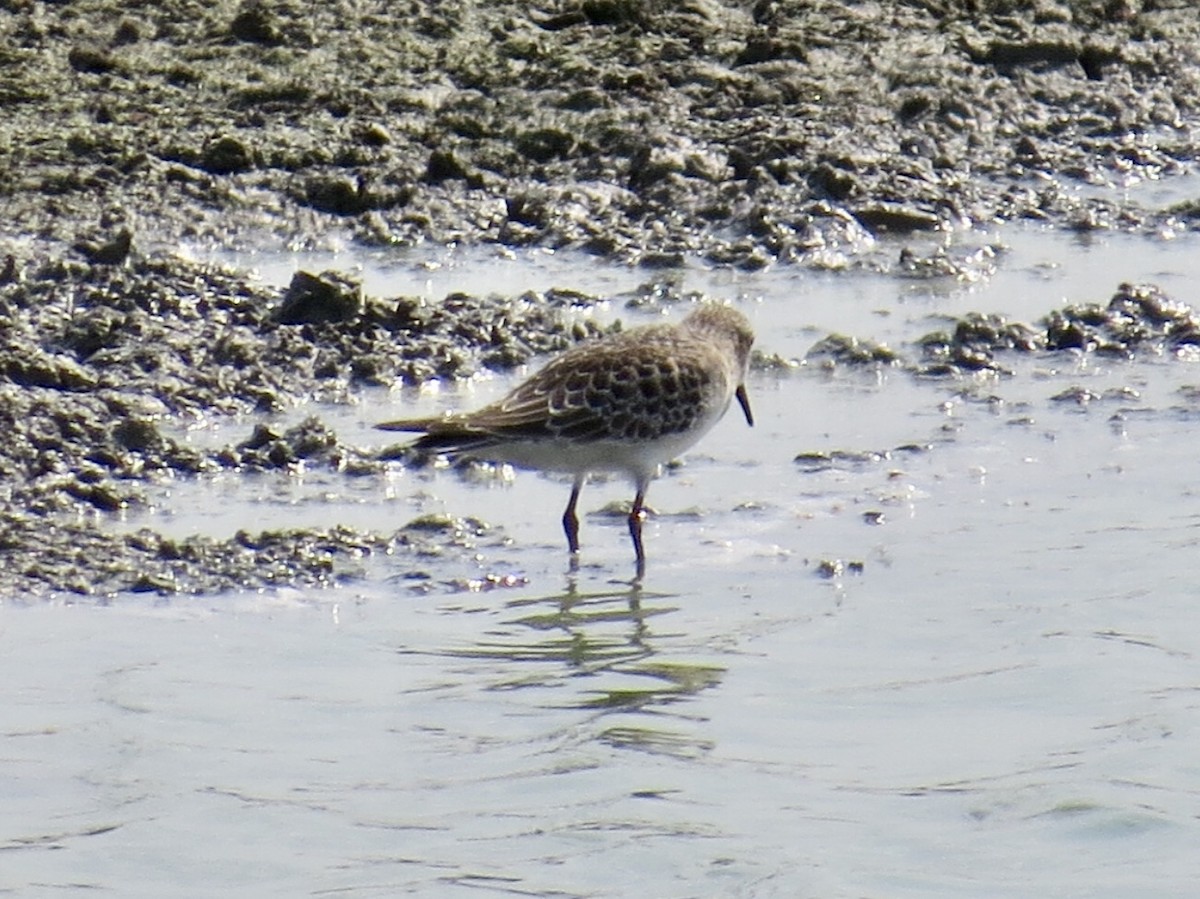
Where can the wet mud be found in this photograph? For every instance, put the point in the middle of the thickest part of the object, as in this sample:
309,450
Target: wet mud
741,134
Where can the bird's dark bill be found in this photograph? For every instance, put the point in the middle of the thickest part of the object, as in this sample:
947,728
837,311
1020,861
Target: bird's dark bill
743,399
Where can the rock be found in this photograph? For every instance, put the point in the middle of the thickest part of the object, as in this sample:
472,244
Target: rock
255,24
227,155
895,218
92,62
314,299
336,194
443,165
545,144
137,435
112,251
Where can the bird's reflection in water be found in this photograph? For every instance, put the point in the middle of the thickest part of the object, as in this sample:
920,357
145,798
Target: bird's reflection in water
600,641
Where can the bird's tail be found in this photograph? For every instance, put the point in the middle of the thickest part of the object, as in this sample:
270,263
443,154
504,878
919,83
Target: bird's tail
408,424
439,436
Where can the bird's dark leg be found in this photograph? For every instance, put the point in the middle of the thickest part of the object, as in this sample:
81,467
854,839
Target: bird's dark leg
636,516
570,519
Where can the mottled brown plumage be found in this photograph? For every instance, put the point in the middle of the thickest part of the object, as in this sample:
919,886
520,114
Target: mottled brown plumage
625,404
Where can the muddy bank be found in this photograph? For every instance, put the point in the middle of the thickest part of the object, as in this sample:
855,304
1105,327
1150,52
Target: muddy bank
741,134
100,365
94,359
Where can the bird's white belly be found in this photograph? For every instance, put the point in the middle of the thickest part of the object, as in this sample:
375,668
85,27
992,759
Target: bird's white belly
633,457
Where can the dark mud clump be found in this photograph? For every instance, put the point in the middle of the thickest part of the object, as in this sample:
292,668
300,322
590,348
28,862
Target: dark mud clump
71,556
1138,319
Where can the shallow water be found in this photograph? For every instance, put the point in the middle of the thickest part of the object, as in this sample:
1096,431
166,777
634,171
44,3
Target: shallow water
994,692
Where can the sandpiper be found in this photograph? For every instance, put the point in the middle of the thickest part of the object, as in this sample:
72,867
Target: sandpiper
626,404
